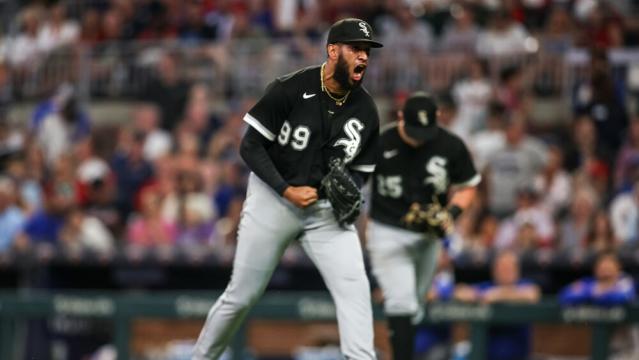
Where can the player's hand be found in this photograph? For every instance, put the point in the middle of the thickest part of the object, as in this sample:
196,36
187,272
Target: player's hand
301,196
430,218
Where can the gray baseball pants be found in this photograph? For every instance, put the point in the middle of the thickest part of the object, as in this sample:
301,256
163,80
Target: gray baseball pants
268,224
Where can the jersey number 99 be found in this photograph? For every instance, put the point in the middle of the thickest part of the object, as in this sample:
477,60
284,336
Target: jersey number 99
389,186
300,137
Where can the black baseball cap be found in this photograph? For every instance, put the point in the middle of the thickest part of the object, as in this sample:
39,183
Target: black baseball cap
351,30
420,116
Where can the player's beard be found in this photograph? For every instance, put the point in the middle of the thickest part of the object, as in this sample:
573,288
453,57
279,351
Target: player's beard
342,75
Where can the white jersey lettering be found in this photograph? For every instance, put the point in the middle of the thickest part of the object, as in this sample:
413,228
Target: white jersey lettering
352,128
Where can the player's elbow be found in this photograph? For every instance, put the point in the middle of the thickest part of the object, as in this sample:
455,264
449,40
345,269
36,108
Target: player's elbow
245,149
249,147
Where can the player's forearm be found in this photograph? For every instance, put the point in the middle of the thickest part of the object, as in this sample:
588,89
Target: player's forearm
527,294
254,153
463,197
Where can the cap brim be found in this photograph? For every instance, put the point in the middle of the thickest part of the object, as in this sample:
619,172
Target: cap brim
372,43
420,133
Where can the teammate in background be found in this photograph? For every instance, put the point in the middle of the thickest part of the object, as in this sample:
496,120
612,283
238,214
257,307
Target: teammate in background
505,342
609,287
419,163
304,121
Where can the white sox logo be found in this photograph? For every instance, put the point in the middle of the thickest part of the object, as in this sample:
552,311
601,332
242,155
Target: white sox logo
352,128
438,175
422,115
364,29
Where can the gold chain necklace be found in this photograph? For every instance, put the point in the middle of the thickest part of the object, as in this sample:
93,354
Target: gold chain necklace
338,101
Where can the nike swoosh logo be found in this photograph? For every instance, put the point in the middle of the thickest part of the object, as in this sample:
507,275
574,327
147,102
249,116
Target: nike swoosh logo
390,153
308,96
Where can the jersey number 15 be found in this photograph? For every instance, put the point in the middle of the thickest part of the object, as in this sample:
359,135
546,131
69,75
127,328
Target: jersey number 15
389,186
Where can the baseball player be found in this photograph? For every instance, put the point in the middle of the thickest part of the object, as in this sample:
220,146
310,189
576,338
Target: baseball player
411,212
311,143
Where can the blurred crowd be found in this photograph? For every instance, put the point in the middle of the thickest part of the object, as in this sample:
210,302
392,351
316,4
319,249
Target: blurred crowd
488,27
168,176
68,186
165,181
413,31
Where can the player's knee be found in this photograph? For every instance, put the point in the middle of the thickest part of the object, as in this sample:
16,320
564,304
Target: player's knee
351,287
400,307
243,299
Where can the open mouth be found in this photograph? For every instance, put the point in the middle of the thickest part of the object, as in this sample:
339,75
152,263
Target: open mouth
358,72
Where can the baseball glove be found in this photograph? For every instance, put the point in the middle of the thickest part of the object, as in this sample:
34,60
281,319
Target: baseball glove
431,218
342,192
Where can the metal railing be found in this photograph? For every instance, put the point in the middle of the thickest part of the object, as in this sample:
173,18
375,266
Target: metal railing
300,306
244,67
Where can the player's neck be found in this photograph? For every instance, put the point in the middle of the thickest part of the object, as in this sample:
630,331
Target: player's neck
329,81
407,139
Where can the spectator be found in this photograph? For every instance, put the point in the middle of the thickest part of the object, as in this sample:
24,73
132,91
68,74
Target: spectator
530,228
473,95
111,27
23,52
194,29
132,171
62,193
186,155
515,166
461,35
502,37
81,233
222,19
554,183
448,117
190,209
488,141
98,183
58,123
157,142
91,31
148,228
627,164
287,14
600,236
12,218
158,24
407,38
575,227
586,157
62,184
168,91
603,99
198,121
479,244
11,141
504,342
90,168
600,27
58,31
532,13
511,90
557,37
609,287
624,215
244,29
26,170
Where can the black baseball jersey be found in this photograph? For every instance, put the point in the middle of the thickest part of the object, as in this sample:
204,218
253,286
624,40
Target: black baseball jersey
307,128
405,174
